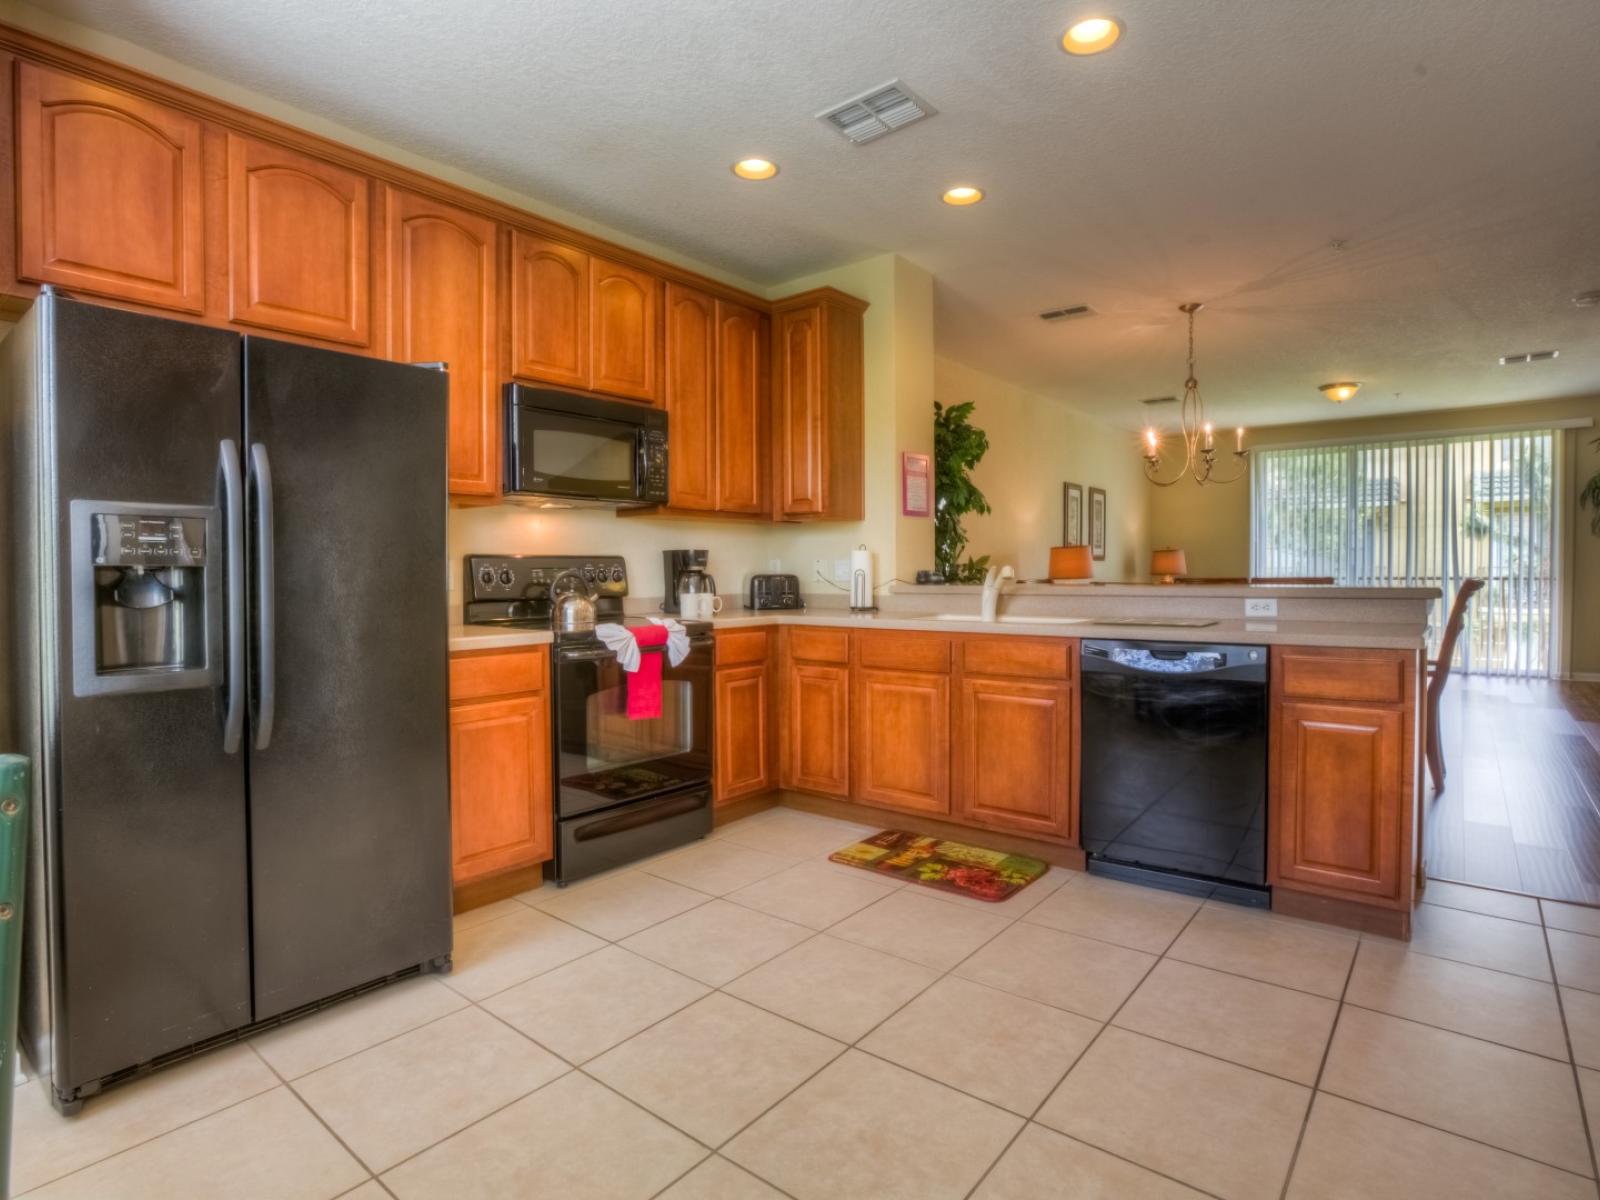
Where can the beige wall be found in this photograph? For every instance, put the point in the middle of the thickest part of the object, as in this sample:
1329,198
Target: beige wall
1035,445
1212,524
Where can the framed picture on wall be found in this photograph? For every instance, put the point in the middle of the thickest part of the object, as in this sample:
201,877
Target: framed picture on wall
1097,524
1071,514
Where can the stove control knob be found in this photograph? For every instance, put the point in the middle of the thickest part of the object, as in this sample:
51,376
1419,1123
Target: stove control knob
588,573
616,573
486,576
506,577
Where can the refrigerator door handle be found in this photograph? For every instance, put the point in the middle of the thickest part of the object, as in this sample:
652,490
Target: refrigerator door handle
266,603
234,588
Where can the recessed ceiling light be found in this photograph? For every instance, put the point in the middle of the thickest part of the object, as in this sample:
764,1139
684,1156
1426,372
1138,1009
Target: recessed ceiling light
963,195
755,168
1092,35
1339,392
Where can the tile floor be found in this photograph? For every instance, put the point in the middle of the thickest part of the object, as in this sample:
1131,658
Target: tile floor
742,1020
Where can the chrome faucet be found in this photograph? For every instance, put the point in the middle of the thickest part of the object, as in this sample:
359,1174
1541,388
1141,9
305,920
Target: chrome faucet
993,581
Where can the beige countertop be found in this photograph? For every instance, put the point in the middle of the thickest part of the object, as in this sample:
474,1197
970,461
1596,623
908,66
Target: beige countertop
1374,635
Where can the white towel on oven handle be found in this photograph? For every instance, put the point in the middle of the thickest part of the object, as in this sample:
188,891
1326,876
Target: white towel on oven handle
620,641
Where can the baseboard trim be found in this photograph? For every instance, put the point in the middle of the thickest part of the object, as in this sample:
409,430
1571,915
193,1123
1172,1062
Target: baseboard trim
1583,676
1348,914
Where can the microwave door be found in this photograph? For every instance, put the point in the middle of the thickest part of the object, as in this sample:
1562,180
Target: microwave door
584,458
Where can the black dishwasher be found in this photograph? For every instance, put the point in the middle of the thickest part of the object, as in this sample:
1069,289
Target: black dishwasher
1174,765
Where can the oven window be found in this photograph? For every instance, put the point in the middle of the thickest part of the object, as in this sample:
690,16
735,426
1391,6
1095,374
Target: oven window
561,453
605,758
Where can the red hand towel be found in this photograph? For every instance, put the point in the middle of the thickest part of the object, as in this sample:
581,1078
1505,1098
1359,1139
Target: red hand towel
644,685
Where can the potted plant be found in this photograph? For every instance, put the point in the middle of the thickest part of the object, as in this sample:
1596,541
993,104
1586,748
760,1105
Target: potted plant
1590,494
958,445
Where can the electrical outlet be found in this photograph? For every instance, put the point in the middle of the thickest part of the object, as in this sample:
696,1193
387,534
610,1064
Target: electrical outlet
841,570
1260,607
774,565
819,569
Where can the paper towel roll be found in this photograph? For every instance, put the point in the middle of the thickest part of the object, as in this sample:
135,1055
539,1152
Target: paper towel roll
861,578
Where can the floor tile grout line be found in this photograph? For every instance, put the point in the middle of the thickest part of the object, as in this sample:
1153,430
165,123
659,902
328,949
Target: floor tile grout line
147,1140
1316,1084
1476,1037
315,1115
1577,1076
290,1080
1051,1092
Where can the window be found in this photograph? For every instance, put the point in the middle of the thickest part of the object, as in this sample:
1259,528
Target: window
1424,512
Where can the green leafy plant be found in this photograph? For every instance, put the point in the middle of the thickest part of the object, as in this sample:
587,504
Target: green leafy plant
958,445
1590,494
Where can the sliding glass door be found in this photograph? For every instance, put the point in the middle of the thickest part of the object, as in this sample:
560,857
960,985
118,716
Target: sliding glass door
1428,512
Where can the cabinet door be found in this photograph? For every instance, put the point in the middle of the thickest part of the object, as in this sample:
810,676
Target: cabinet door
109,194
742,733
900,740
743,451
624,331
549,311
798,414
1336,805
817,728
299,243
1014,756
691,398
500,808
441,309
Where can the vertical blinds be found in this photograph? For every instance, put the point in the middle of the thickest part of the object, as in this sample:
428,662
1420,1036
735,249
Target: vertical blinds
1424,512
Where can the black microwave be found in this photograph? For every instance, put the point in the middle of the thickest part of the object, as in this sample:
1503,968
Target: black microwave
564,448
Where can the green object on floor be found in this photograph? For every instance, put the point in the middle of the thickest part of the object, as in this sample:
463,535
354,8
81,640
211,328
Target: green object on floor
14,795
933,862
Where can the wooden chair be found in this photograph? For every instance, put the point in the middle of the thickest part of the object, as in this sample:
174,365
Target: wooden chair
1439,673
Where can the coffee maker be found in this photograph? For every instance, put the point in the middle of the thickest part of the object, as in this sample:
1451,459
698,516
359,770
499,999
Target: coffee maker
675,565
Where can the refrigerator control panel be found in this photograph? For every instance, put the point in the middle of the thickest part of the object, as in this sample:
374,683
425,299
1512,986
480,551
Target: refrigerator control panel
528,577
142,540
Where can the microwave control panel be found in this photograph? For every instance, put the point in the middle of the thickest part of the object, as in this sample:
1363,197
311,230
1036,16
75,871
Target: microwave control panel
655,465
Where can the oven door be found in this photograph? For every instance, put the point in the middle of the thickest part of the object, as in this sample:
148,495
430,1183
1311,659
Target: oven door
574,456
603,759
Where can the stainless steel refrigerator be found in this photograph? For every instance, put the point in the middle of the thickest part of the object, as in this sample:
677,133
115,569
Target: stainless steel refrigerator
228,662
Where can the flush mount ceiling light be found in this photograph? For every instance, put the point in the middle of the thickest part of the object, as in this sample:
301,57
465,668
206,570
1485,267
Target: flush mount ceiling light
1339,392
755,168
963,195
1199,458
1091,35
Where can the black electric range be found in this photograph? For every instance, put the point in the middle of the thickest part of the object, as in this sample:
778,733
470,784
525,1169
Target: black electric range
623,789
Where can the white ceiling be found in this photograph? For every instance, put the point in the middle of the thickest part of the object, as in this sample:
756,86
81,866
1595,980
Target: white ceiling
1213,154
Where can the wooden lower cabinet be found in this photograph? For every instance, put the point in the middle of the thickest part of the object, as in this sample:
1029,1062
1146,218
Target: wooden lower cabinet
900,740
501,813
1014,760
816,726
743,752
1342,782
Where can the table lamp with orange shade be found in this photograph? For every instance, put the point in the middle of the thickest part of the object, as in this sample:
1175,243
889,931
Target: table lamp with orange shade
1167,564
1070,564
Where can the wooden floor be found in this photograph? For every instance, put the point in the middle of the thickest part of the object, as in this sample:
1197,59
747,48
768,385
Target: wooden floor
1521,804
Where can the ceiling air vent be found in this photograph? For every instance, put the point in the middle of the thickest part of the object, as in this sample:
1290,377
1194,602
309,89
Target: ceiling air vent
1071,310
1160,400
1533,356
877,112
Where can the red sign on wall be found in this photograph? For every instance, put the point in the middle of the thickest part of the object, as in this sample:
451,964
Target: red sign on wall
916,485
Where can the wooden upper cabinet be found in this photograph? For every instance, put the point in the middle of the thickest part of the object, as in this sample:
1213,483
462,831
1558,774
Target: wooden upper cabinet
441,280
299,243
109,192
742,444
624,331
818,407
549,311
691,384
1014,756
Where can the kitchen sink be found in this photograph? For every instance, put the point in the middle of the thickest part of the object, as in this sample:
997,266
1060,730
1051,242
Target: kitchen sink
1011,620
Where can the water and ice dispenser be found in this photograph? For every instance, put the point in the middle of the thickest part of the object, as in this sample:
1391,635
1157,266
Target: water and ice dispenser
143,597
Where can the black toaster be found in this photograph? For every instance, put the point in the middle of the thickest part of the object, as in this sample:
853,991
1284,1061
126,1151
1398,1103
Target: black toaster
774,591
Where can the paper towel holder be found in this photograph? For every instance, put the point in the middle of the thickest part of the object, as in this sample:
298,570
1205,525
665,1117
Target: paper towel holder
861,589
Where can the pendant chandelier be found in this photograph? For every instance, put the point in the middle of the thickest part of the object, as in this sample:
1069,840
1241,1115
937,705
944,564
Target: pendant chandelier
1199,457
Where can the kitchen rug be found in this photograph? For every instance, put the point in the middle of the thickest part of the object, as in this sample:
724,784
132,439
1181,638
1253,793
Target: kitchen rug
949,866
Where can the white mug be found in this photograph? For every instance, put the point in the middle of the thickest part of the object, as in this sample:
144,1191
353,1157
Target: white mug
699,606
